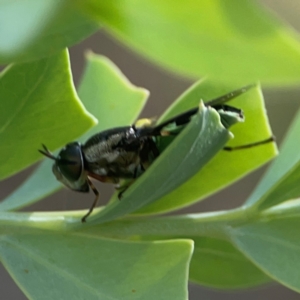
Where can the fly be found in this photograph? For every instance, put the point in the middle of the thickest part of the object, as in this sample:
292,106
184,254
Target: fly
127,152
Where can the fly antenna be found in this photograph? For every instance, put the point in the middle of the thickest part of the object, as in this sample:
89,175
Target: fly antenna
47,153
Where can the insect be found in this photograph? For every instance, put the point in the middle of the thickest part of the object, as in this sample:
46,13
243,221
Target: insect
127,152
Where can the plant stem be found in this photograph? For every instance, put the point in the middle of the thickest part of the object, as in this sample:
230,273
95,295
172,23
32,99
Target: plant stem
203,224
213,224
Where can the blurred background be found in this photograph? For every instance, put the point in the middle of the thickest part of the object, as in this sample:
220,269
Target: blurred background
164,88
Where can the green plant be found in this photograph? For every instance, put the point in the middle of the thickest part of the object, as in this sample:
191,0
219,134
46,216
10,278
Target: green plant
127,250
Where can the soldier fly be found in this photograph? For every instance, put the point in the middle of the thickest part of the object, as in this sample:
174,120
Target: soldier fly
127,152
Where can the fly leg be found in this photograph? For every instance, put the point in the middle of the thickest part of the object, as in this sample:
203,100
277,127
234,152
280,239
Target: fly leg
268,140
123,189
83,219
125,186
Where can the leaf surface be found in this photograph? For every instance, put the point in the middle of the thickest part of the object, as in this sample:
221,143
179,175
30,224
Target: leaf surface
38,104
216,263
281,181
74,266
233,41
273,245
33,29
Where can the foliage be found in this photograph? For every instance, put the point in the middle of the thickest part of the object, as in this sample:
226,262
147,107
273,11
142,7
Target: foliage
124,251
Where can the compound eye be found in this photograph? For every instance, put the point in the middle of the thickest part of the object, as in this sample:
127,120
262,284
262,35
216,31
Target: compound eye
70,162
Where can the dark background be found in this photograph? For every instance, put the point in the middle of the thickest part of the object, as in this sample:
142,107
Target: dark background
165,87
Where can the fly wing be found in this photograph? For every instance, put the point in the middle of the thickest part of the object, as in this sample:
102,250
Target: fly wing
226,98
229,115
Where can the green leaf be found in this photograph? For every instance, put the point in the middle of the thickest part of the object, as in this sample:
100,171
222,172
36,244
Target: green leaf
226,167
48,265
216,263
273,245
38,185
38,104
199,141
232,41
112,99
32,29
281,182
108,94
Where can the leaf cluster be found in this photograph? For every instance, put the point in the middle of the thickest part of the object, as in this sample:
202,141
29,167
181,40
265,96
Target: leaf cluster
129,249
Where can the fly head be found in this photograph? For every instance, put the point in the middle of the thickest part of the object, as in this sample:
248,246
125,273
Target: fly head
68,167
